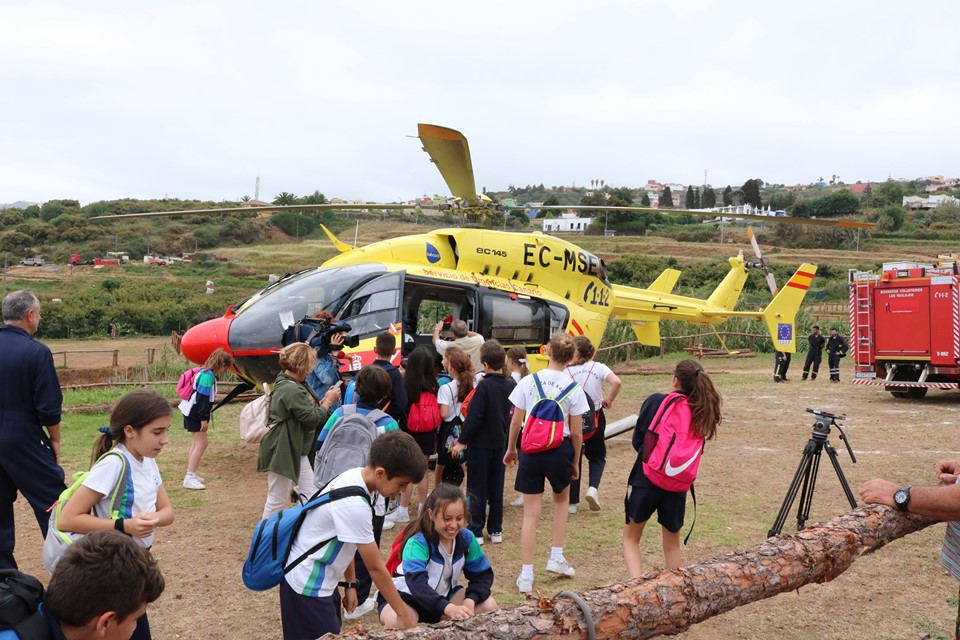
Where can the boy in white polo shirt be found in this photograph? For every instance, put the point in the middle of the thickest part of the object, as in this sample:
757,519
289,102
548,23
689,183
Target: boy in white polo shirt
310,594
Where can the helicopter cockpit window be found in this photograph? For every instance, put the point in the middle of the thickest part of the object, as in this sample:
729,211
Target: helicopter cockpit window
259,324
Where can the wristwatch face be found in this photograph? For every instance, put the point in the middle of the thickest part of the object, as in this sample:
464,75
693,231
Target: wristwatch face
902,497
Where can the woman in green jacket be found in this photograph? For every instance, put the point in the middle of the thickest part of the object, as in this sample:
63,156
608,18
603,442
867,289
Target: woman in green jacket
295,415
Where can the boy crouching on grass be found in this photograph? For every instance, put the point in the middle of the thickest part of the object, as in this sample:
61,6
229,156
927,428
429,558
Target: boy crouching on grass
309,594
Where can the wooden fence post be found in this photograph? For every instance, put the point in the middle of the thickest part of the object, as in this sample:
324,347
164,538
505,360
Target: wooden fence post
116,358
150,354
628,353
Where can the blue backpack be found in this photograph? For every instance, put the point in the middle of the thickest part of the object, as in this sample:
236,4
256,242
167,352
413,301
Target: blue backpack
543,429
267,561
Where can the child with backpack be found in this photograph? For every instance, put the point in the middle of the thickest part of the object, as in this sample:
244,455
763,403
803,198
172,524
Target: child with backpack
372,388
99,589
196,408
592,376
483,440
667,462
385,349
324,544
549,405
435,550
138,431
423,419
451,398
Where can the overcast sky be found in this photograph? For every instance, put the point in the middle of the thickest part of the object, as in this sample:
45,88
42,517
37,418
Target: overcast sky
105,100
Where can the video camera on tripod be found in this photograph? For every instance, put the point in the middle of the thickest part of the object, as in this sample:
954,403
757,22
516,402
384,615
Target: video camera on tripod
806,475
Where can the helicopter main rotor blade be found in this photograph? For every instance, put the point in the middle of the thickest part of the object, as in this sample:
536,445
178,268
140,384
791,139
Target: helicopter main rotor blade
771,280
448,150
273,209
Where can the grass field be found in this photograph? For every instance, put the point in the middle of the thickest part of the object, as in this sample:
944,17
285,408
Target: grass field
899,592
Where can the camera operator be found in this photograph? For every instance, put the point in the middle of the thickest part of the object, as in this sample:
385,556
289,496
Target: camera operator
469,341
326,373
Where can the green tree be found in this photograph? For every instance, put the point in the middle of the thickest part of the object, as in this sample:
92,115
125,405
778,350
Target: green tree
782,200
551,201
284,198
33,211
50,210
839,203
315,198
666,199
696,198
690,198
890,218
727,196
890,192
751,193
709,199
645,200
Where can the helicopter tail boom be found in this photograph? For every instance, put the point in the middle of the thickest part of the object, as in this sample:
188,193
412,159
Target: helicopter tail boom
780,315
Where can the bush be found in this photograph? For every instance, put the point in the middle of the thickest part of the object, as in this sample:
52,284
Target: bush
294,224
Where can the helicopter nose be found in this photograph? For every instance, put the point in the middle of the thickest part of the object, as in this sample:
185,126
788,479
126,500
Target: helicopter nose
203,339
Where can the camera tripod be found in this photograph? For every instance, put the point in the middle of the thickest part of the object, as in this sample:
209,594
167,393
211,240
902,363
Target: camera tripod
805,479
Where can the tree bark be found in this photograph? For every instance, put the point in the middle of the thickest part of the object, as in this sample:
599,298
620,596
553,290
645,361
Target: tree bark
669,602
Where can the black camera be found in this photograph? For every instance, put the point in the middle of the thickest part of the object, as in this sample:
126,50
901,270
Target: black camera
317,332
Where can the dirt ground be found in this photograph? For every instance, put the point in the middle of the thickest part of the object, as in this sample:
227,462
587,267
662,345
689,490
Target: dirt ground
898,592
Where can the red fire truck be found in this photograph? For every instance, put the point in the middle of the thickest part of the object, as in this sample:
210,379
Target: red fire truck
905,327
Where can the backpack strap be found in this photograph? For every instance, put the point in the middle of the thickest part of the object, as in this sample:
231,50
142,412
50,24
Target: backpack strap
668,401
538,387
566,392
118,497
693,494
335,494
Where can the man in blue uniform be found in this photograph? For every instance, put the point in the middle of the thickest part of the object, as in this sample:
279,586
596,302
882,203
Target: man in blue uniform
30,401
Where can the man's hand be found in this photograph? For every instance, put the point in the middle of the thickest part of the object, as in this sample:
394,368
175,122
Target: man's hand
879,492
510,457
337,339
948,471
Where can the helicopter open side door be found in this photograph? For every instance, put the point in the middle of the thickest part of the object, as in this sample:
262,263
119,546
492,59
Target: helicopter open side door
375,307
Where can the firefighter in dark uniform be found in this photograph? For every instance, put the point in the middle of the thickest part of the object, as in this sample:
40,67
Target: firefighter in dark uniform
780,365
816,342
30,407
836,349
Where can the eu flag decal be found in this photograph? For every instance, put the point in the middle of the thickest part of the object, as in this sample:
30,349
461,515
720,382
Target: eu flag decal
784,333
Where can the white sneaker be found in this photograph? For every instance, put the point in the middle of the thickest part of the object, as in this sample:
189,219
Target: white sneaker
593,499
397,518
560,567
387,524
479,540
362,609
193,482
496,538
524,585
517,503
572,508
197,477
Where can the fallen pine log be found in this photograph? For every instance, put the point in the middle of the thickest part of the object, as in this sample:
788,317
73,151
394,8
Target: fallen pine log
669,602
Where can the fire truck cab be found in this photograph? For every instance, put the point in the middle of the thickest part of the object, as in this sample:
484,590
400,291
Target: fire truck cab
905,327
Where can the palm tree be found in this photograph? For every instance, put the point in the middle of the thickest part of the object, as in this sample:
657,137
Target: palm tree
245,199
284,198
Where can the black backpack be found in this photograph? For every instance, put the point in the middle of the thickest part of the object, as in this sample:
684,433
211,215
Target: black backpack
20,595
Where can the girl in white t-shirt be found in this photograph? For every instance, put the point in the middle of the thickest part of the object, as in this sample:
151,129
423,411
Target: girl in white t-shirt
555,465
593,376
450,398
139,429
517,366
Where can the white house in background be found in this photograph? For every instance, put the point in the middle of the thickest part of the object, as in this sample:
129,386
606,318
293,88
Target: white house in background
566,222
916,202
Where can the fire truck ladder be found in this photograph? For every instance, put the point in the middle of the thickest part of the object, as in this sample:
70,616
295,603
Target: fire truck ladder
861,315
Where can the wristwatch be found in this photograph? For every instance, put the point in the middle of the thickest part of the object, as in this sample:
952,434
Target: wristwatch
902,498
348,585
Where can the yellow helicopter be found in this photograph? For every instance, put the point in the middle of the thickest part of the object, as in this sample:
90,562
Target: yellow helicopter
515,287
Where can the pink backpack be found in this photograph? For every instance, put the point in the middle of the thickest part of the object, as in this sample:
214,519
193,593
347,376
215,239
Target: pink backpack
671,450
185,383
424,415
